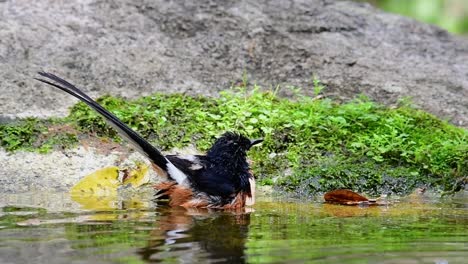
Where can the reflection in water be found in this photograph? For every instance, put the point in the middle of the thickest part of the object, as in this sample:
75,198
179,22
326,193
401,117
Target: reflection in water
198,234
421,229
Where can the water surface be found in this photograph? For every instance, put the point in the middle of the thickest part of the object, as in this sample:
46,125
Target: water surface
52,228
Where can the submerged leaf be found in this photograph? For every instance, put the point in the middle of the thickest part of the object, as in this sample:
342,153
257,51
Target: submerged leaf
93,202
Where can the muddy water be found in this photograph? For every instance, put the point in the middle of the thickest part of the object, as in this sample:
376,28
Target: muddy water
52,228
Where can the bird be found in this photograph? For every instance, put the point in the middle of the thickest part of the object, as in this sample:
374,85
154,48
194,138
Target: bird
220,179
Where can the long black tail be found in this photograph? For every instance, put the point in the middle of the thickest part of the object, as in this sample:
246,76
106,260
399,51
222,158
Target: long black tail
143,146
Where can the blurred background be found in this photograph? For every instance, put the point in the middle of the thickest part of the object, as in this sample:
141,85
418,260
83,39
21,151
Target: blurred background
451,15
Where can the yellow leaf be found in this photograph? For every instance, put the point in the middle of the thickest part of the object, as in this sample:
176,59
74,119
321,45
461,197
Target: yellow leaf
137,177
103,182
100,189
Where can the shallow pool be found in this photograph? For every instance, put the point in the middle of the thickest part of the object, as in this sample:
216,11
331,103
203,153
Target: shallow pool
51,228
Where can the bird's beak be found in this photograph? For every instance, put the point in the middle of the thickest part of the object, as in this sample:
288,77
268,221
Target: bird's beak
255,141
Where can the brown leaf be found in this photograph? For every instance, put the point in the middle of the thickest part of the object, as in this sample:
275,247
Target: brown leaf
345,197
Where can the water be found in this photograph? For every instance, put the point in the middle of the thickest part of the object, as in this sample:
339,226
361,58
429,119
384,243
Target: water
52,228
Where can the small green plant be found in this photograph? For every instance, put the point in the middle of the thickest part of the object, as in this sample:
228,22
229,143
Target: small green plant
318,87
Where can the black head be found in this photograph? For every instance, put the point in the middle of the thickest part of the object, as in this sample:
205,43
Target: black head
232,144
229,161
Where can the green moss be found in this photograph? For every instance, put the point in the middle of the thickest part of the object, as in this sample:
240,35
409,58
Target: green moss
311,145
61,140
21,134
32,134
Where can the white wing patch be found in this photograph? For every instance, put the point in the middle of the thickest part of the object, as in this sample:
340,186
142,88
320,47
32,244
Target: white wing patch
191,158
195,162
177,174
196,166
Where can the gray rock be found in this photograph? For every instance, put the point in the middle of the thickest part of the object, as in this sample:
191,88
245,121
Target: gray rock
134,48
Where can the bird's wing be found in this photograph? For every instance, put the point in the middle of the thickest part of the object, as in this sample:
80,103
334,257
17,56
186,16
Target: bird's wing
126,132
203,175
194,166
